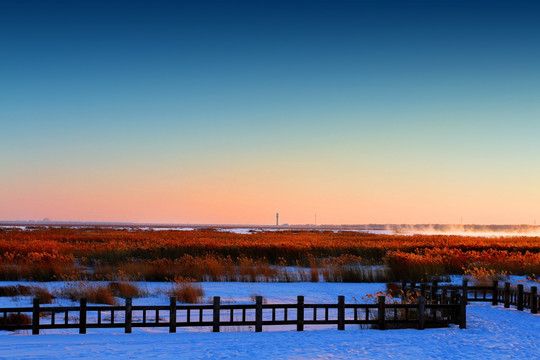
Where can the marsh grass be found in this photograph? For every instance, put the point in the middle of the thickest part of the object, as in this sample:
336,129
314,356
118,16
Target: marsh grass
480,276
15,290
94,293
208,255
12,319
126,290
41,293
348,268
187,291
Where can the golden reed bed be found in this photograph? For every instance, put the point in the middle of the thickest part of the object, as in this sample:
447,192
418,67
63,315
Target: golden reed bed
104,253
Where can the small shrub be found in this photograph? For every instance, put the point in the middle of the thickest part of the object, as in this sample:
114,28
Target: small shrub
393,289
17,290
125,290
97,294
480,276
253,298
44,296
13,319
187,292
314,274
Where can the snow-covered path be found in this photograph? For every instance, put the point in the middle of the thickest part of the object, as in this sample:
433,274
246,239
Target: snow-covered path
493,333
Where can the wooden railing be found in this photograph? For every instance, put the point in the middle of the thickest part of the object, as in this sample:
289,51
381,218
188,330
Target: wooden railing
380,315
508,295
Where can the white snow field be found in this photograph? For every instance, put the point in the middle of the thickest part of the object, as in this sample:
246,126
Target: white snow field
492,333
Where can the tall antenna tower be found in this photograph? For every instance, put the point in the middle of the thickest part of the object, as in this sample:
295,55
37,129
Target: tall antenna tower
277,219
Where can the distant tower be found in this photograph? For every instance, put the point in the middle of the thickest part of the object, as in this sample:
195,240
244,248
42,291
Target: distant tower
277,219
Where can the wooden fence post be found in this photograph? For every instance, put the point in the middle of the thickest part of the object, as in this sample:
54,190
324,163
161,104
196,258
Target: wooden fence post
463,312
35,318
128,315
434,289
423,289
495,293
520,297
421,310
300,314
412,287
534,300
433,298
172,314
465,289
341,313
258,313
217,313
82,316
444,296
444,301
506,294
381,312
453,301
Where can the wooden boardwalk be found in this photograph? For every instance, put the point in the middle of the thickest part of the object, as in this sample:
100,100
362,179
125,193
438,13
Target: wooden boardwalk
507,295
433,313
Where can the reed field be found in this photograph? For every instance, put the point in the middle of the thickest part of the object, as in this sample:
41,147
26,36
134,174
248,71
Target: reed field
45,254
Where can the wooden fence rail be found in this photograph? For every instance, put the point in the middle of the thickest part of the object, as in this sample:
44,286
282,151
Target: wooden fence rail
506,295
450,310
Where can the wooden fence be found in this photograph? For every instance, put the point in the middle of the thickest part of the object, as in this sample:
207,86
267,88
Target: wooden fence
448,310
506,295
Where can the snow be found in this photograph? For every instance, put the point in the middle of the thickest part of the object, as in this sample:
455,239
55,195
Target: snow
165,228
492,332
242,231
230,292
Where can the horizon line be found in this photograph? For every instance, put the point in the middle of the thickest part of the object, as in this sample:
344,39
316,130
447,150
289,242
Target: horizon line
164,224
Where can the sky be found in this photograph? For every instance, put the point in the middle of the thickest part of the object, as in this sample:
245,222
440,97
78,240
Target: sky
227,112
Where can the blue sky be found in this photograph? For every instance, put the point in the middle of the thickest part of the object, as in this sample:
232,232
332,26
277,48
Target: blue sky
364,111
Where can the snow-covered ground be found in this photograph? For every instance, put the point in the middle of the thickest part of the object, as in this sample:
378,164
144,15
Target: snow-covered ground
492,333
230,292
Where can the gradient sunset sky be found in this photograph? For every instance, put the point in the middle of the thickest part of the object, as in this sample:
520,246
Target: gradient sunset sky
228,112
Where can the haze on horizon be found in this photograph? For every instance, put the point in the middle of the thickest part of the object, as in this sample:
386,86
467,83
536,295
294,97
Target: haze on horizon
228,112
